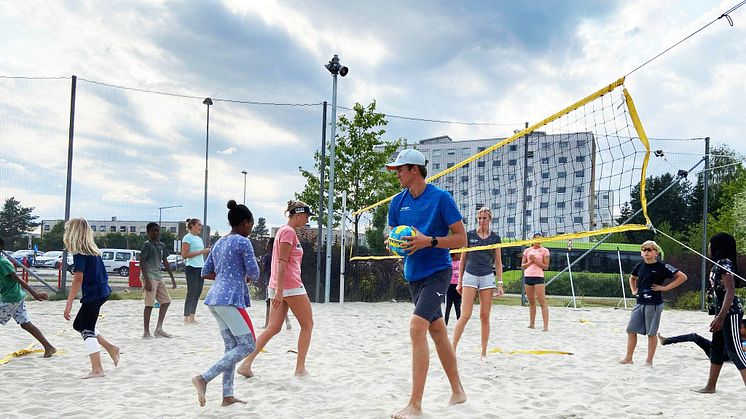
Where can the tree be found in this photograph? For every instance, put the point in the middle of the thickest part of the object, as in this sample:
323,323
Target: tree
375,235
260,229
725,167
672,208
52,240
360,156
16,222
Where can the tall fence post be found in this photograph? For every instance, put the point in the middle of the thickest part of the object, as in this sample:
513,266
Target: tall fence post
68,185
320,217
524,217
706,181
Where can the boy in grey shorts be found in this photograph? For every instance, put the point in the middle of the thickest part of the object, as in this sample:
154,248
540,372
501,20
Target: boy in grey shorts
646,282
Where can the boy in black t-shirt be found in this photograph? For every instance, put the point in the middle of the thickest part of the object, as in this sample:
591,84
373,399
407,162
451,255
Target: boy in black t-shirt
646,282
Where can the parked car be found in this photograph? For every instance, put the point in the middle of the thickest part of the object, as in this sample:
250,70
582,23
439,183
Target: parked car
24,255
176,262
52,259
118,260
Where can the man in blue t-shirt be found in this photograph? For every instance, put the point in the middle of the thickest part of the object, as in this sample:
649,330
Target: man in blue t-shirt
432,212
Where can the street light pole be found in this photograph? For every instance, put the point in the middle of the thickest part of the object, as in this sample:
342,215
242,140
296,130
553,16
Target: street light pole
244,185
207,102
160,211
335,68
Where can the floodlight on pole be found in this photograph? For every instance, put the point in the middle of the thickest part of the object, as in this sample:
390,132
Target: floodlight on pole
207,102
335,68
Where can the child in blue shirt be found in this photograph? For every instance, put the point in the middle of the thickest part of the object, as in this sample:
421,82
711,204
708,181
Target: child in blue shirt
89,276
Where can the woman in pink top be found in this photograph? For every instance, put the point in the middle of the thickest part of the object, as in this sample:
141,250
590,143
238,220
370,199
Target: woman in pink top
286,289
453,298
535,261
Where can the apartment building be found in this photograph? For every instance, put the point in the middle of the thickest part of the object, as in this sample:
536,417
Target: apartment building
541,182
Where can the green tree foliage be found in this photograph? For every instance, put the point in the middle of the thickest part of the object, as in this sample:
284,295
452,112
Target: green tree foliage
120,241
52,239
376,234
359,167
726,199
260,229
16,222
725,167
214,238
672,208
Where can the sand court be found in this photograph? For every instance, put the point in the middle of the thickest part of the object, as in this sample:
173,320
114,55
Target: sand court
360,363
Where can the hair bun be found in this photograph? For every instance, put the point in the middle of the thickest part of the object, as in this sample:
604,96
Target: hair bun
232,204
188,220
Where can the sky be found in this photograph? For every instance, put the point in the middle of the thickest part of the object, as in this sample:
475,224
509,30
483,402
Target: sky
498,63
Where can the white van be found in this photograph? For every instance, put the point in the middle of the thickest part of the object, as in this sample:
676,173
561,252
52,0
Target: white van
118,260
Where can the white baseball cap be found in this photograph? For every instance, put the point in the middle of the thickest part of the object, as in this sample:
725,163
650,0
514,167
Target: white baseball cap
407,156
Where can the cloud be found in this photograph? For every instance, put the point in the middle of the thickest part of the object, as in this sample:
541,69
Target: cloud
229,150
504,63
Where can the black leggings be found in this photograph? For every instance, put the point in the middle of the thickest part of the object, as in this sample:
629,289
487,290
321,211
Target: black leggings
195,283
85,320
703,343
453,298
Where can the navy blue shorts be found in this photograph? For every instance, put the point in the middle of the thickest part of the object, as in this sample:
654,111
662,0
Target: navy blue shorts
533,280
428,294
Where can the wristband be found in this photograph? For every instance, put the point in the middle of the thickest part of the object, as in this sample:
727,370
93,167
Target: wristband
499,282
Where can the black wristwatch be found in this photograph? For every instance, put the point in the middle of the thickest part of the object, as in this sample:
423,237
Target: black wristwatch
434,242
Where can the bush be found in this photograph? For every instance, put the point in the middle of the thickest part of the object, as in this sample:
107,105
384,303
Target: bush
689,300
587,284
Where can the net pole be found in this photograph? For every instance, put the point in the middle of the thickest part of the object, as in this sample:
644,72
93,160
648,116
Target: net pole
321,203
342,250
572,286
705,180
330,203
524,219
68,184
679,176
621,277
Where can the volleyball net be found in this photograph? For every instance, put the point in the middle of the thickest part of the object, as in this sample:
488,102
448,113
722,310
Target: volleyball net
566,176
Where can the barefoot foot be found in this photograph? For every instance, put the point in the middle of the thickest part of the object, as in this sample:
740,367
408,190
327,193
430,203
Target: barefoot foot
162,334
301,373
245,371
626,361
705,390
661,339
408,412
93,374
201,385
531,326
49,351
114,354
457,398
227,401
147,335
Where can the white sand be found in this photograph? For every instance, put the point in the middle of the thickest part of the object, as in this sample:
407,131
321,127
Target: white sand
360,366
